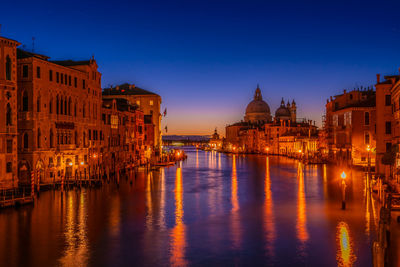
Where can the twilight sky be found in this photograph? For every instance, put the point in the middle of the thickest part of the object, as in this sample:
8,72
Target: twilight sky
205,58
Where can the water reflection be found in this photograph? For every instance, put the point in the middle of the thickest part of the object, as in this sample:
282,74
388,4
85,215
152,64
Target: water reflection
76,252
269,220
345,255
235,219
178,233
301,225
149,201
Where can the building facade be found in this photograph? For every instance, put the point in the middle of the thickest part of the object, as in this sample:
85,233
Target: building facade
8,120
147,101
350,127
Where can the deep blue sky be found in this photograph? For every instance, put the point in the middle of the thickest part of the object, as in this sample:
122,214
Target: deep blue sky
205,58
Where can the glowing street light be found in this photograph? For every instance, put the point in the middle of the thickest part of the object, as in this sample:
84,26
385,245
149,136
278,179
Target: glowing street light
82,163
343,176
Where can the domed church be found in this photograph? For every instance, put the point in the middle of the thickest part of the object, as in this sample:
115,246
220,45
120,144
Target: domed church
285,113
258,111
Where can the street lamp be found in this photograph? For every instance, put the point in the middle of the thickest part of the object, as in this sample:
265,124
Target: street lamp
343,176
267,150
369,158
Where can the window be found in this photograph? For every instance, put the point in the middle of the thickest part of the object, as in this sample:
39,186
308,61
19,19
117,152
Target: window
388,127
138,102
83,84
336,105
62,78
8,115
51,138
50,75
69,106
57,77
39,135
366,138
58,105
151,102
351,96
25,71
388,101
66,79
38,72
51,106
9,167
25,101
366,118
83,111
76,138
388,147
69,80
8,68
38,104
61,105
9,146
75,110
76,82
65,106
89,134
26,141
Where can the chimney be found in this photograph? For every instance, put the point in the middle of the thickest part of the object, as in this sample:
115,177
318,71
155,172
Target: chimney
344,91
331,98
378,78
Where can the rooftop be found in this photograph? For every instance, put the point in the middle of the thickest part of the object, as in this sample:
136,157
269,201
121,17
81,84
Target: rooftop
126,89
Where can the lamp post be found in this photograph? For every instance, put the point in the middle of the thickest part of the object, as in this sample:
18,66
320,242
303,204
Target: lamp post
267,150
343,176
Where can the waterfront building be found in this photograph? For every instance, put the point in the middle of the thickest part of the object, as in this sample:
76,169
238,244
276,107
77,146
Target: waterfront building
215,140
285,134
388,123
58,117
349,127
8,120
147,101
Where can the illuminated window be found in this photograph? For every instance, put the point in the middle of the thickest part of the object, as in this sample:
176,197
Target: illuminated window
366,138
138,102
151,102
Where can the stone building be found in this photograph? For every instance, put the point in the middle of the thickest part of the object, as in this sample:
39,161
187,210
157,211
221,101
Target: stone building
349,126
59,117
259,133
8,119
147,101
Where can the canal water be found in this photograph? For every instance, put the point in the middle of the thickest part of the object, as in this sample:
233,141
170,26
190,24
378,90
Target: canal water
212,209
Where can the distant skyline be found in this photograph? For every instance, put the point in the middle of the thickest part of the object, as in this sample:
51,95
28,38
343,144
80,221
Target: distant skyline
205,58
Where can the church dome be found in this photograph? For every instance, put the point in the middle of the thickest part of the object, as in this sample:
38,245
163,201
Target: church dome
283,112
258,110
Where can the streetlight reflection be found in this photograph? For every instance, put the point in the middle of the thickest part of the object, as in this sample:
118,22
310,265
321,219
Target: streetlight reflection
301,226
345,254
178,234
235,219
269,220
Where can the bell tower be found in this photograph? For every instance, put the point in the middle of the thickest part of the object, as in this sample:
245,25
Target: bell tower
8,118
293,109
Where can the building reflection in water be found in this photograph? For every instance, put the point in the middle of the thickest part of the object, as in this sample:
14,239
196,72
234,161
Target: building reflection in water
76,252
178,233
269,220
301,226
345,255
235,219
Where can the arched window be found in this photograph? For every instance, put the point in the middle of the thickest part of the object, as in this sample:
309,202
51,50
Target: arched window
8,115
89,110
58,105
38,104
65,106
25,101
76,138
75,110
84,138
366,118
51,138
51,106
8,68
61,105
26,140
39,135
83,110
69,106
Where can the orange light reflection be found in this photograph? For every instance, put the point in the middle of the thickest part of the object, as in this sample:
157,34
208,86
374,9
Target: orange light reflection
269,220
